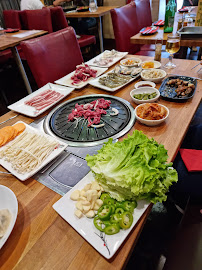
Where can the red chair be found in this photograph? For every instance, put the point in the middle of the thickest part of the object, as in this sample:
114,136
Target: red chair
12,19
59,22
52,56
143,11
125,25
39,19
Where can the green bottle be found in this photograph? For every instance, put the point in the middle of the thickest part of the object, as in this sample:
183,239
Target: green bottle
169,16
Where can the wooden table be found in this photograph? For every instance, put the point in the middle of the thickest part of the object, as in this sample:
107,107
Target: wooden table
151,39
101,11
41,239
9,41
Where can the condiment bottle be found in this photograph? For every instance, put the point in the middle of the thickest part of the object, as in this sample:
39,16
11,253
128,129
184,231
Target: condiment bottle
158,48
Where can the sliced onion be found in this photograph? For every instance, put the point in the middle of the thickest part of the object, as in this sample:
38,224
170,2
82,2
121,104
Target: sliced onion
114,112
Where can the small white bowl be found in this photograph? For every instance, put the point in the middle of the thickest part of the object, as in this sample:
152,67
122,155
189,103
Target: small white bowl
140,84
156,64
151,122
138,60
142,90
156,80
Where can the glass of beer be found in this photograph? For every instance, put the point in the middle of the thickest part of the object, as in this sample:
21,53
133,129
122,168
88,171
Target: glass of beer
172,46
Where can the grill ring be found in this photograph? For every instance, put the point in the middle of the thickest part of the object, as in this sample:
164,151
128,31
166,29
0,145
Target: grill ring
56,124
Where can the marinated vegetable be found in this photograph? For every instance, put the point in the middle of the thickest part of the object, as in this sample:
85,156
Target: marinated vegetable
145,96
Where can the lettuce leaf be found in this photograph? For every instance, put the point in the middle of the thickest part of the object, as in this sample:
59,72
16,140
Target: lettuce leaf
134,168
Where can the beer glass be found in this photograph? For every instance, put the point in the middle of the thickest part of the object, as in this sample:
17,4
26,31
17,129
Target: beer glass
172,46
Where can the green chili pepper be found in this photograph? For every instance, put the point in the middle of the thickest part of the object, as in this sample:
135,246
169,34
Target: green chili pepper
109,201
134,203
113,208
112,229
128,206
119,211
104,212
99,224
115,218
104,196
126,220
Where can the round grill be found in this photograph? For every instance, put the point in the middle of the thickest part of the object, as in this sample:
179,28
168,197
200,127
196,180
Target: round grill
78,134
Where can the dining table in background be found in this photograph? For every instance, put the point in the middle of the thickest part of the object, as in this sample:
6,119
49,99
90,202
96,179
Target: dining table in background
101,11
160,35
41,239
9,41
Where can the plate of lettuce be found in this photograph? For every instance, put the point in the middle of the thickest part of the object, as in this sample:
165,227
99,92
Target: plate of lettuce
134,168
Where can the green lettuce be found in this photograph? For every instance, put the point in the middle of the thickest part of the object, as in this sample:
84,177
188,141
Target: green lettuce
134,168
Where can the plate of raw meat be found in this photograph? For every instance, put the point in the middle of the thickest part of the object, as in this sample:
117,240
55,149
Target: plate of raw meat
41,100
81,76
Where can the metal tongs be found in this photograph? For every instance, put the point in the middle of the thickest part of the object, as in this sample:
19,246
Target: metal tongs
197,65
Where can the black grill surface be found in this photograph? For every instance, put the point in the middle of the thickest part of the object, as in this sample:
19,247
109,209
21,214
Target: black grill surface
71,132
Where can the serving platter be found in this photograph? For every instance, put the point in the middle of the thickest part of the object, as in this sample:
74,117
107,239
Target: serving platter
56,152
106,245
66,80
22,108
96,83
168,92
8,201
114,59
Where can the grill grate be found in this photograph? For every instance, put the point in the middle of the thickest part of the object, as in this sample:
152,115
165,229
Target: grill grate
78,133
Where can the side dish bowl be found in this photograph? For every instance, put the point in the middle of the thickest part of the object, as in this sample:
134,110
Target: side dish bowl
150,64
140,84
131,62
153,75
151,122
147,91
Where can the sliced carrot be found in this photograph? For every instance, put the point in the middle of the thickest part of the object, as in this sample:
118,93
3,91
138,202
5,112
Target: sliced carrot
6,134
20,127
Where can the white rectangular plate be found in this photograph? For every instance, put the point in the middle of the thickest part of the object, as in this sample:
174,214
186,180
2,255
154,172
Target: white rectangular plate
115,59
21,107
66,80
96,83
56,152
107,245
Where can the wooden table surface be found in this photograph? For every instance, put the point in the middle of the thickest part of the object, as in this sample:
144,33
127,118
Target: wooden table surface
151,39
9,40
41,239
86,14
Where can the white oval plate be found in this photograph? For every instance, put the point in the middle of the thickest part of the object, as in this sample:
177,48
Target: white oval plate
8,201
138,61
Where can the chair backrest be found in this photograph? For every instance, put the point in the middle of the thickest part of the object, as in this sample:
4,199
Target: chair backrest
39,19
58,18
125,25
8,4
12,19
144,15
52,56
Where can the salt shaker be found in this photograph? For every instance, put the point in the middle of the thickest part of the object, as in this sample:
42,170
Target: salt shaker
158,47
